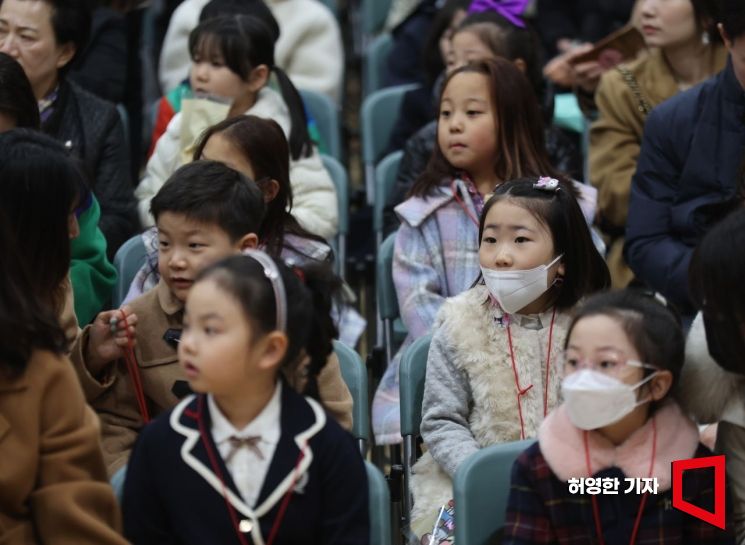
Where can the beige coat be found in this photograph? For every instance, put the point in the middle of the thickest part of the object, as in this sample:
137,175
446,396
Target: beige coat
53,486
113,397
615,139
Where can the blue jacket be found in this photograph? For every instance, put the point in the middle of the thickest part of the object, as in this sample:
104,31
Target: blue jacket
686,177
173,496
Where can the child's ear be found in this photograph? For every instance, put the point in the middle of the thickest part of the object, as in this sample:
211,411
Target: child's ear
258,77
273,350
521,65
660,384
561,269
270,189
248,242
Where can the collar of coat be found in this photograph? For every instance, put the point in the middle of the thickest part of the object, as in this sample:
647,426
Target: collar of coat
562,446
414,211
300,418
168,302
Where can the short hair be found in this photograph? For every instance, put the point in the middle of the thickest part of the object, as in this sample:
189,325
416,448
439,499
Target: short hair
733,18
254,8
16,96
212,193
653,328
585,269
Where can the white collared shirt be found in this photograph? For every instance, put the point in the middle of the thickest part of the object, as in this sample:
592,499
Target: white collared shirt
246,468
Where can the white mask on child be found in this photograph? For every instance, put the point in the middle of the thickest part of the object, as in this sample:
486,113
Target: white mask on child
594,400
514,290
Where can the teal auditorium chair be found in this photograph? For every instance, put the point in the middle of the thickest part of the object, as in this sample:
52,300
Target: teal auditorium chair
385,181
378,496
378,117
127,261
380,506
341,183
412,373
326,115
332,5
374,63
354,373
481,488
374,14
391,330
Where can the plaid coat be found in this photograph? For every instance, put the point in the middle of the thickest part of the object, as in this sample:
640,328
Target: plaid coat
541,510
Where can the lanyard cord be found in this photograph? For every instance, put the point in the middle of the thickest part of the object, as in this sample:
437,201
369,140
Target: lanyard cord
522,391
134,372
642,503
216,468
457,198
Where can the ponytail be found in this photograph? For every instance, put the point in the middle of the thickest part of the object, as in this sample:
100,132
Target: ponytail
300,142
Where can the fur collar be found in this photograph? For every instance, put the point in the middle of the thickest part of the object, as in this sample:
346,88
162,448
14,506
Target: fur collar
562,446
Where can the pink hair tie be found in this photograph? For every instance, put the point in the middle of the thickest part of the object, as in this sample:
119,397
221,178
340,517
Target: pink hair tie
545,183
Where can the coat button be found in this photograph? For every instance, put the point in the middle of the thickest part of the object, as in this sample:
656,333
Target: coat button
245,526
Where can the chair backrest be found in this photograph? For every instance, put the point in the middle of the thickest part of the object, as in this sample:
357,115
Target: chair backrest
385,289
326,114
481,488
385,181
127,261
375,62
341,183
378,117
332,5
374,14
117,483
411,374
354,373
380,506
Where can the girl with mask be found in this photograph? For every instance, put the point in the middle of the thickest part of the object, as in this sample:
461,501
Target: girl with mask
493,369
619,420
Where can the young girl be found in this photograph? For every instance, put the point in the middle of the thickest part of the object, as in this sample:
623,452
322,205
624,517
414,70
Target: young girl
619,420
493,371
489,131
232,61
263,464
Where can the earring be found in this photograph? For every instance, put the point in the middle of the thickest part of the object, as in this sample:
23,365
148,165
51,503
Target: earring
705,38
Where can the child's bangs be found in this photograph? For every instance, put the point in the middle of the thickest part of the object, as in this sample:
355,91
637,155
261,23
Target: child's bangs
206,46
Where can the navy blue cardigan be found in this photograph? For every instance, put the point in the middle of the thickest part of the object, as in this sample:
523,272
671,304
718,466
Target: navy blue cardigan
172,495
686,178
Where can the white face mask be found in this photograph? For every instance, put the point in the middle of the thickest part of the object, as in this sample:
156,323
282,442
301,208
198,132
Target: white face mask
594,400
514,290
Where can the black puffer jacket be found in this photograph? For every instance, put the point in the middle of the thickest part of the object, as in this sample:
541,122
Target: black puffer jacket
93,130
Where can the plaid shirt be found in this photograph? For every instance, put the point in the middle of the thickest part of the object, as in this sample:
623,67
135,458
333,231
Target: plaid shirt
541,510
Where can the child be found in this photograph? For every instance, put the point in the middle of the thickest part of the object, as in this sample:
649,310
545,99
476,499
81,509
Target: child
232,61
205,212
262,463
492,370
54,487
489,131
619,420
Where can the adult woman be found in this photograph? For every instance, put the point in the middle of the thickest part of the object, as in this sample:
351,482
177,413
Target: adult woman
686,50
44,36
54,481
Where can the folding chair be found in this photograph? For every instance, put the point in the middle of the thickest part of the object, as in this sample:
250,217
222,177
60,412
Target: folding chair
341,183
380,506
374,14
127,261
378,117
412,373
354,372
385,181
480,490
326,115
375,62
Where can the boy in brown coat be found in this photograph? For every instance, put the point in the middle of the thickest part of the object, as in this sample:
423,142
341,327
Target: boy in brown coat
205,212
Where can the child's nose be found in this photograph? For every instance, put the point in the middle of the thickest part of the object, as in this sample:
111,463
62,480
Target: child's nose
503,259
177,260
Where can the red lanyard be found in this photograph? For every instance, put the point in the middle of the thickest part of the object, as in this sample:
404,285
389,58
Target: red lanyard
642,503
454,189
216,469
522,391
134,372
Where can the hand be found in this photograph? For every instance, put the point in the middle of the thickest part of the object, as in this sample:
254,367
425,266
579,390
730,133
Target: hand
108,338
559,69
587,75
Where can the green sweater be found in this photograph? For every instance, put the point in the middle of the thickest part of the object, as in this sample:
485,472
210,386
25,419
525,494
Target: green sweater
91,274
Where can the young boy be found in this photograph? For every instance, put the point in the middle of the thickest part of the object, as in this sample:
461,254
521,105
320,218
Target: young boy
206,211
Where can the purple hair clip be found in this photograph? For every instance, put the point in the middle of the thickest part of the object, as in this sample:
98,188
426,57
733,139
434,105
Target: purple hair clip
512,10
546,183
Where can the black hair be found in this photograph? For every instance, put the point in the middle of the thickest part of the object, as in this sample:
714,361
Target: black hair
254,8
733,18
585,269
40,185
26,321
210,192
653,328
263,144
16,96
716,271
245,42
310,328
432,60
708,14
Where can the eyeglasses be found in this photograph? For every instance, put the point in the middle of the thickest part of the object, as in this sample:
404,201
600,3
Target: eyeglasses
610,362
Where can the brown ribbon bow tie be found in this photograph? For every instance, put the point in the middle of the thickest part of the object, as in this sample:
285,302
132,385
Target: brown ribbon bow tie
252,443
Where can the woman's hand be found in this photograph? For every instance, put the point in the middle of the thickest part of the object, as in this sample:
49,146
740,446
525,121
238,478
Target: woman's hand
110,333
